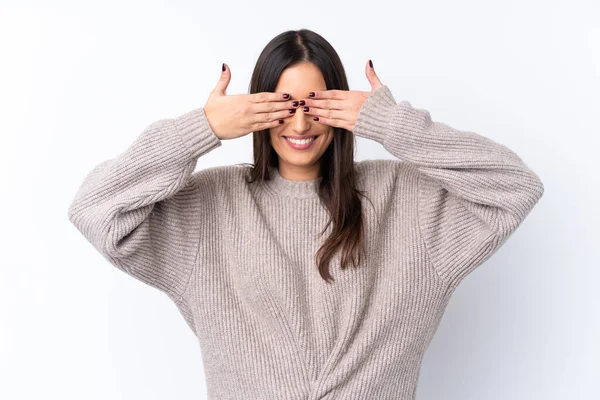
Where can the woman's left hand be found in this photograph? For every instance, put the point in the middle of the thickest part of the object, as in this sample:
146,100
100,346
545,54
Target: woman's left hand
340,108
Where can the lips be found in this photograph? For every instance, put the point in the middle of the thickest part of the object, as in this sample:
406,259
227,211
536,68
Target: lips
301,146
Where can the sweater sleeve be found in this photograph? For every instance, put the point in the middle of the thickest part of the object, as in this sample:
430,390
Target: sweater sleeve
141,211
473,192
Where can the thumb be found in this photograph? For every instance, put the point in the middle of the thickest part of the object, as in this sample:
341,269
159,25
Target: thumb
372,76
221,87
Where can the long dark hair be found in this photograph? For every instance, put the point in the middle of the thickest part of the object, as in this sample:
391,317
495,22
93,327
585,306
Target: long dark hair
337,189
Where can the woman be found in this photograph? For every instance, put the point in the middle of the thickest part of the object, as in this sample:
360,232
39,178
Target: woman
306,275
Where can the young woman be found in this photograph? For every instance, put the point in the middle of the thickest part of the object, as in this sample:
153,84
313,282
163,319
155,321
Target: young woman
307,274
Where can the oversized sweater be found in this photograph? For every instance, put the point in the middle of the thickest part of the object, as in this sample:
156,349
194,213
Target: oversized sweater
237,258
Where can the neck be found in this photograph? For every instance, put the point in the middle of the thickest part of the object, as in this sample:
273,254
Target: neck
299,173
294,188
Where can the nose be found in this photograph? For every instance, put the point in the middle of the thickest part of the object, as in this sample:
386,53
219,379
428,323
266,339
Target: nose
299,122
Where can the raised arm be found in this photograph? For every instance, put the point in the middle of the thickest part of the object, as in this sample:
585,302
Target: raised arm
141,210
473,192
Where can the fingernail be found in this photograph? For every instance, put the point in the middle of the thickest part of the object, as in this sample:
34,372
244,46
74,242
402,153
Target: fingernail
371,63
305,109
295,103
280,121
292,110
223,67
315,118
286,95
311,94
302,102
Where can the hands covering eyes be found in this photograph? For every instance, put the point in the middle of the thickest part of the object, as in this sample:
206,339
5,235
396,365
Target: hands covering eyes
232,116
340,108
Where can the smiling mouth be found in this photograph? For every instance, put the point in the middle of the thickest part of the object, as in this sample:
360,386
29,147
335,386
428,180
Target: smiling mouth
301,137
301,141
305,143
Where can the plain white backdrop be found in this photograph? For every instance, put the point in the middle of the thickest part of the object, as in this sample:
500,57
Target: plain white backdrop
80,80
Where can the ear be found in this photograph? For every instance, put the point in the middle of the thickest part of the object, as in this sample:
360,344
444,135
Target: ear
372,77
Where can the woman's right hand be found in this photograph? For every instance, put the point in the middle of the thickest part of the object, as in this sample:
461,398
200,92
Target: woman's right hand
232,116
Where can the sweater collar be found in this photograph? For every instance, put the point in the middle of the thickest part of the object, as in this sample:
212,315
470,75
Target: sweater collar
279,185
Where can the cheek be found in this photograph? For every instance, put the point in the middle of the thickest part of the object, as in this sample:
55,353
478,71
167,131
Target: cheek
329,138
275,132
276,140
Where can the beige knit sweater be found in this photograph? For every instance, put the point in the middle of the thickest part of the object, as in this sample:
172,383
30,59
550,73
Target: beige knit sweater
238,259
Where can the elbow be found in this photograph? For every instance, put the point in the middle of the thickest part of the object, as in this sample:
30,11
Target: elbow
535,190
72,212
540,191
88,222
529,193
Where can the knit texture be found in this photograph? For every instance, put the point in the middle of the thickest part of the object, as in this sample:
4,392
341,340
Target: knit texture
238,259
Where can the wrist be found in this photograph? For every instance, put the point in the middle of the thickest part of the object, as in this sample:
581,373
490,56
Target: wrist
375,114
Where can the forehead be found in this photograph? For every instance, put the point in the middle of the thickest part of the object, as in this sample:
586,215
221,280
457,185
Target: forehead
300,79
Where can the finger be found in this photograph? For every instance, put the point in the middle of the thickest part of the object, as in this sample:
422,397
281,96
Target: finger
333,104
272,116
337,94
259,126
329,114
273,106
224,80
372,76
265,97
336,123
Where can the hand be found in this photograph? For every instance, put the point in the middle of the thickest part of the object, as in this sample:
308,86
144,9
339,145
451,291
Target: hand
232,116
340,108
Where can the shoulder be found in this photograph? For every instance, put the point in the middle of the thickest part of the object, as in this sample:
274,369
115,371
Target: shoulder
219,176
220,181
383,172
220,173
205,191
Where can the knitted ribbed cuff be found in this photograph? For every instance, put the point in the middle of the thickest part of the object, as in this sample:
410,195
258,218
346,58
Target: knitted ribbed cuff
375,115
196,132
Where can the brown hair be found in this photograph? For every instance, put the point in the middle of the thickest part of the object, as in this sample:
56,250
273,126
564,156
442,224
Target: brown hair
337,188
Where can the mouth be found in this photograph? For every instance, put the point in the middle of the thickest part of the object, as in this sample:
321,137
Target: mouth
300,142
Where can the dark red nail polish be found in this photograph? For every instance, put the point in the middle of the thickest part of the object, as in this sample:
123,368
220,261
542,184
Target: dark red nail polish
302,102
305,109
286,96
292,110
223,67
371,63
280,121
311,94
316,118
295,103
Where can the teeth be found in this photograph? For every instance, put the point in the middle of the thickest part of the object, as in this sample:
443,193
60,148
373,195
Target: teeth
303,141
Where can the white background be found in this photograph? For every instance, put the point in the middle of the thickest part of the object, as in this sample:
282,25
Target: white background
79,81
